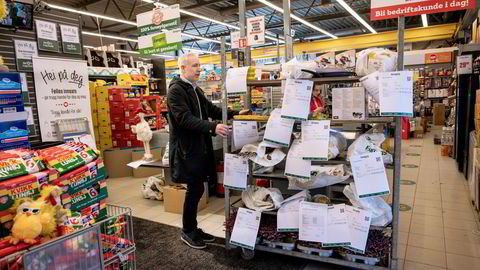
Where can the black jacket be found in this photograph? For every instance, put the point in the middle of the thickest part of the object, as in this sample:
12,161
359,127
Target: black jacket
191,155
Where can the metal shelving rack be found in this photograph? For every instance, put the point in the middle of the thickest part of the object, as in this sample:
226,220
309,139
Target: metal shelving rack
393,259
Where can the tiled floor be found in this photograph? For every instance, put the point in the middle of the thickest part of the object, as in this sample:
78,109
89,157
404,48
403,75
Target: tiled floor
439,232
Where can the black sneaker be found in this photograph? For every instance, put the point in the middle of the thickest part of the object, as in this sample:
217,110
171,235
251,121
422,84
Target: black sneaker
193,240
207,238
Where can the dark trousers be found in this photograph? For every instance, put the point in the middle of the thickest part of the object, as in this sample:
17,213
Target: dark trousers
195,191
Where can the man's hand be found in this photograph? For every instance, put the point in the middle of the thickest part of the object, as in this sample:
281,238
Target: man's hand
222,130
245,112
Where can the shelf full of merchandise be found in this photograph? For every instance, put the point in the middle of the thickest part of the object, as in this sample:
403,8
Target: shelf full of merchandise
278,175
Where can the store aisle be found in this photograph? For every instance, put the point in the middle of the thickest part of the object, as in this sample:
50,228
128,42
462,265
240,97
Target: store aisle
438,228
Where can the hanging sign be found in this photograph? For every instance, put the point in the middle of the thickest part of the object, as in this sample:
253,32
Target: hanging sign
62,93
24,50
70,39
159,19
433,58
47,36
234,39
464,64
387,9
327,60
160,42
256,30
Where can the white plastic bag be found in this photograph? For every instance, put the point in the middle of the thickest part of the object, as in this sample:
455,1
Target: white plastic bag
153,188
336,144
375,59
293,69
322,176
368,143
165,160
265,160
262,199
381,211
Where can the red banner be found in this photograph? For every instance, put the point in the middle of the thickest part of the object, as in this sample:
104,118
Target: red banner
379,12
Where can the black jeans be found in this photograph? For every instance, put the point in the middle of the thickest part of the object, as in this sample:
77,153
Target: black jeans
195,191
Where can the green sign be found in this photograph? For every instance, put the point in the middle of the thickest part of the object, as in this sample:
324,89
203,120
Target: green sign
47,36
159,19
160,42
70,39
24,50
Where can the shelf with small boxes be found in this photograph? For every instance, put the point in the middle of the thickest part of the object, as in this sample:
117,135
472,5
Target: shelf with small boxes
115,115
13,117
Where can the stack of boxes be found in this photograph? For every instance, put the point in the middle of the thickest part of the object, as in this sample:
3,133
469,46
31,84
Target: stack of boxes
13,117
122,117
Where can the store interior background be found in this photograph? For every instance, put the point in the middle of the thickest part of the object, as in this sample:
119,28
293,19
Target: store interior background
437,232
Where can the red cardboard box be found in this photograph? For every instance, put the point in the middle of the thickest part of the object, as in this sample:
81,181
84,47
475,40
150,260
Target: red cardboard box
117,118
132,104
134,143
119,143
126,135
120,126
116,94
117,108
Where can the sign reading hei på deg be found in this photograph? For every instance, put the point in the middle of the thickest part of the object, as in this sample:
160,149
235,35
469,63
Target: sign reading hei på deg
62,93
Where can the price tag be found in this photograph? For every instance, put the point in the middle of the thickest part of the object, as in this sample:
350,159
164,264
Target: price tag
464,64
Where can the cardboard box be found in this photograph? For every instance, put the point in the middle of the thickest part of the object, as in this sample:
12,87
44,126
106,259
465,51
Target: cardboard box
132,104
119,143
137,154
477,111
438,114
103,107
174,197
95,120
117,108
103,120
116,94
105,143
478,97
13,125
102,93
104,132
82,177
12,143
134,143
120,126
117,118
85,197
116,161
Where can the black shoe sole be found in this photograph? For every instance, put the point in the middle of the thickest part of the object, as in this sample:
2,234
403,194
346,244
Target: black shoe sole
190,245
209,240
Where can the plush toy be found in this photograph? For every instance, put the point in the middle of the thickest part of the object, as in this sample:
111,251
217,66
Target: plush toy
144,133
36,218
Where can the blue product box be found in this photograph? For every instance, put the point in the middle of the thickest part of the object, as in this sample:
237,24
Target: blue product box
11,108
13,125
10,82
12,143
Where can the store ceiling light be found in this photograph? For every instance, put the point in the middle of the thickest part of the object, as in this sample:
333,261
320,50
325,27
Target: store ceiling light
424,20
293,16
127,51
203,38
90,14
199,51
356,16
108,36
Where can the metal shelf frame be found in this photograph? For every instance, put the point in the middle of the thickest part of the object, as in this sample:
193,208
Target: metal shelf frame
393,259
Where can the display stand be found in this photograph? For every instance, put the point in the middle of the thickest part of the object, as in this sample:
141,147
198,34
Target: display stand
278,176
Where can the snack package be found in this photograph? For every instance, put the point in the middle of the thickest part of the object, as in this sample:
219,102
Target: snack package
85,197
68,156
82,177
19,162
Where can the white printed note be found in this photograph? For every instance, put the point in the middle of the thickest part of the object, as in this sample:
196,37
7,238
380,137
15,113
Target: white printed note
296,99
313,222
288,216
348,103
359,226
372,85
236,82
245,229
278,130
244,132
369,175
338,233
396,93
296,166
235,172
315,139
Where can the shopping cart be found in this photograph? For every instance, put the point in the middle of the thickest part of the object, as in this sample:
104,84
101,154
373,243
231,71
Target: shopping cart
108,244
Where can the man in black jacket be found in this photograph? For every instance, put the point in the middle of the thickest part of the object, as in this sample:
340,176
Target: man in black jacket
191,151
